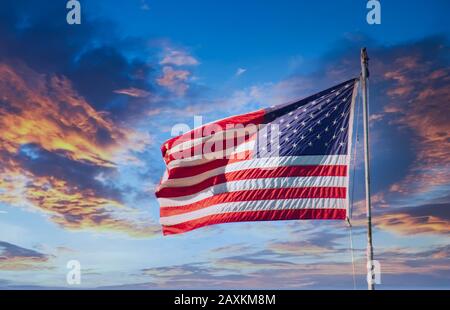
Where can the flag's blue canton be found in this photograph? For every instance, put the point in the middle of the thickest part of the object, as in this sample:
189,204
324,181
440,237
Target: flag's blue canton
317,125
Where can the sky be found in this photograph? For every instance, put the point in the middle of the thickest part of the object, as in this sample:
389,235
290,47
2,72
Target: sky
84,110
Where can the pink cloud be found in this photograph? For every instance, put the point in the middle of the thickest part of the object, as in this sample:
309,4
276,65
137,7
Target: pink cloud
178,58
174,80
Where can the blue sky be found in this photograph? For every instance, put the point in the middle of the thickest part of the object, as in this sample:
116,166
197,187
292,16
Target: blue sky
85,108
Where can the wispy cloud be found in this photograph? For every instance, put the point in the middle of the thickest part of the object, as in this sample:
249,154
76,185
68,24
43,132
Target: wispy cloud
240,71
13,257
174,80
178,58
133,92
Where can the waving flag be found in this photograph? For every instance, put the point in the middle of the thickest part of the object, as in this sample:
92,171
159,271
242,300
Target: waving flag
288,162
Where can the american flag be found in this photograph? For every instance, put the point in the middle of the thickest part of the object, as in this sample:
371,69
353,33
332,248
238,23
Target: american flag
287,162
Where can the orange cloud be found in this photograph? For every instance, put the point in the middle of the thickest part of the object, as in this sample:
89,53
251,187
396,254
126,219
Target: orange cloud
420,101
15,258
406,224
46,111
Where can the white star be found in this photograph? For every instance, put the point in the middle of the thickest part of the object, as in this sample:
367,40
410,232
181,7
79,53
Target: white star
303,123
314,102
302,137
328,100
342,114
287,126
334,122
347,86
328,114
281,120
318,136
342,128
310,143
326,129
335,107
338,93
304,109
295,130
319,121
345,99
334,137
290,113
286,139
310,129
296,117
294,145
341,144
311,115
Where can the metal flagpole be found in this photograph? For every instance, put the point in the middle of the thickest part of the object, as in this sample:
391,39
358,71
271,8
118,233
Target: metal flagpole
364,77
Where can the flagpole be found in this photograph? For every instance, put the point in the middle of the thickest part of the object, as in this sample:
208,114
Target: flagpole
364,77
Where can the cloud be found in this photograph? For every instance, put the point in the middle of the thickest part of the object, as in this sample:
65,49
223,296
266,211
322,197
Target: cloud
48,112
418,100
133,92
92,56
240,71
53,144
431,219
174,80
16,258
178,58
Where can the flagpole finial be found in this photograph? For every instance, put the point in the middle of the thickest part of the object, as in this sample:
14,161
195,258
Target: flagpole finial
365,61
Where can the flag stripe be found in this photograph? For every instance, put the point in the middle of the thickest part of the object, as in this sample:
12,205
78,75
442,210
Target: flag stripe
257,173
210,156
261,205
259,194
254,118
181,176
266,215
228,134
251,184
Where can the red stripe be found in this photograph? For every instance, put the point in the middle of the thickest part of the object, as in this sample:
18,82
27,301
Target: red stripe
255,118
255,173
259,194
183,172
208,147
247,216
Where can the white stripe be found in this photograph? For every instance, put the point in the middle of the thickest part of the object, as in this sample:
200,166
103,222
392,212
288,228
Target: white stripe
268,162
254,184
261,205
222,135
204,158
